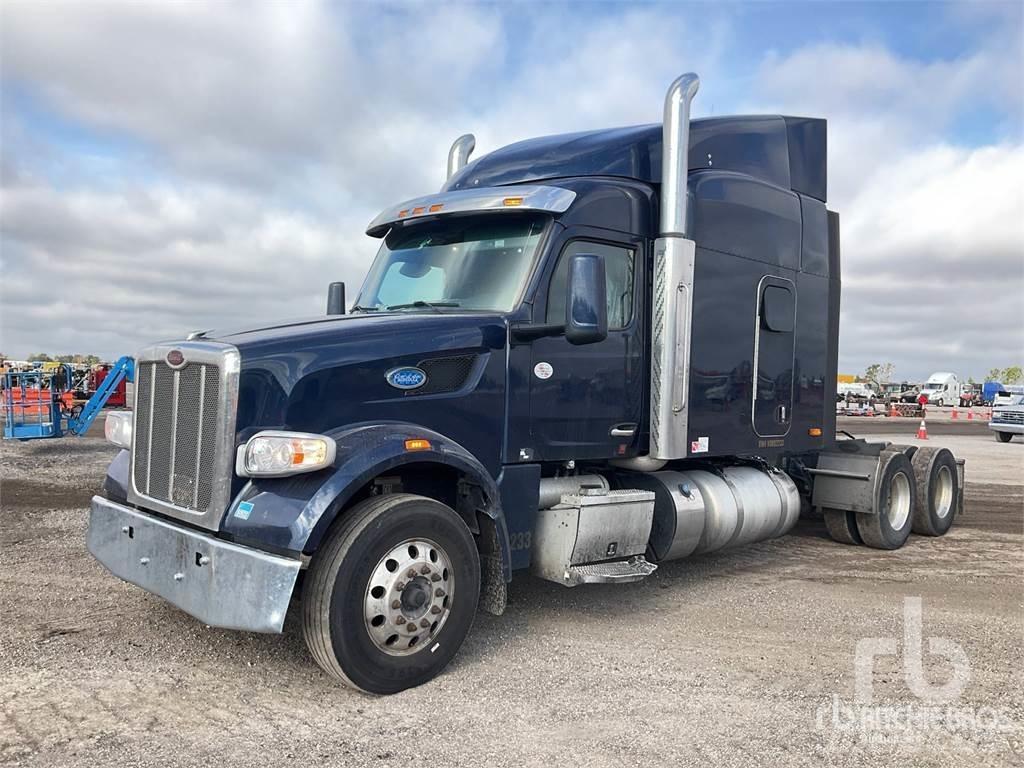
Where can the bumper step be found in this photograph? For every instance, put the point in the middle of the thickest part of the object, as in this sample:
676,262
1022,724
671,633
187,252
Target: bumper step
617,572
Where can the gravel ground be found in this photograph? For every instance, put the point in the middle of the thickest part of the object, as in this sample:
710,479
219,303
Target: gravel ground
744,657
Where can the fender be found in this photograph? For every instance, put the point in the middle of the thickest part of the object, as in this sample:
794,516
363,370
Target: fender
293,514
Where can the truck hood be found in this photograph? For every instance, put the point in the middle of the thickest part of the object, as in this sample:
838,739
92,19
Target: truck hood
322,373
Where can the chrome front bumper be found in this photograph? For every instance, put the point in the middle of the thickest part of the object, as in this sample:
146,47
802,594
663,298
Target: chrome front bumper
1002,426
219,583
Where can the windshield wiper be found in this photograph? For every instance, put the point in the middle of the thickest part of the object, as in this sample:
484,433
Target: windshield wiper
434,305
357,308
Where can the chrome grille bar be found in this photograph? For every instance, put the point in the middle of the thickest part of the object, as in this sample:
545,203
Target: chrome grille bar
199,442
174,434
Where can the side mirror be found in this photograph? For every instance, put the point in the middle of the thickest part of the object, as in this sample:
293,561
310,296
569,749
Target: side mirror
336,299
586,305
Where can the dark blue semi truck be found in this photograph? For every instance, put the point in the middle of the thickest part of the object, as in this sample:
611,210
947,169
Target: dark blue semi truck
586,355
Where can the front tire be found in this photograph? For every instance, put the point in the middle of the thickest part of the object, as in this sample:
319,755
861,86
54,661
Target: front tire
1004,437
889,526
392,594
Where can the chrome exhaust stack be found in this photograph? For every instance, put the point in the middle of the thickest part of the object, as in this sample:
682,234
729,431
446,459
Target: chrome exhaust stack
675,152
673,285
459,154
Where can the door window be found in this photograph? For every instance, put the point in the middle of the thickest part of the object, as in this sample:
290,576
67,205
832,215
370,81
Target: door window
619,265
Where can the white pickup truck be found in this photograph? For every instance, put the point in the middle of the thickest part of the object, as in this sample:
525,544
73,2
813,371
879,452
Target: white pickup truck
1008,420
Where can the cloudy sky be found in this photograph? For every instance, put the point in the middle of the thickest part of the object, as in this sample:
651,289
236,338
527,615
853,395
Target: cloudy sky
178,165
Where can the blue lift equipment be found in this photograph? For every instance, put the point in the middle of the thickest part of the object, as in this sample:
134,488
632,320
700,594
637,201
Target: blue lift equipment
35,405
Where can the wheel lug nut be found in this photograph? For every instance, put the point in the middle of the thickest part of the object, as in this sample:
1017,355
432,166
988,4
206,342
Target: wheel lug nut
435,609
425,570
436,577
411,627
400,620
396,604
412,573
438,592
400,586
424,623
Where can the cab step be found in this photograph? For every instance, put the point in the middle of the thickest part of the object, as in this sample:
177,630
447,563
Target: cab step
615,572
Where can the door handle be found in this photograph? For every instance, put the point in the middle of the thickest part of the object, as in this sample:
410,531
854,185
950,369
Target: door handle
623,430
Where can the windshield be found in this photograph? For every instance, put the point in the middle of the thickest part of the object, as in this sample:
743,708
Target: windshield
478,264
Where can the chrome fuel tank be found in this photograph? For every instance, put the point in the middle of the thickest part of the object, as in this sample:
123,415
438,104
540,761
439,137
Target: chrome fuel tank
699,511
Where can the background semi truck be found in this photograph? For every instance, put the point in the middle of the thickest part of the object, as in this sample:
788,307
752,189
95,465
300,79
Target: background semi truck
942,389
586,355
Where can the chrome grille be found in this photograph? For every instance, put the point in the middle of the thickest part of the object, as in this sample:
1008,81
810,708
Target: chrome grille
1008,417
183,445
176,428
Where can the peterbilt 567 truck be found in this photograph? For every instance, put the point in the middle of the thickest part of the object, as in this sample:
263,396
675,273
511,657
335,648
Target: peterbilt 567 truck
586,355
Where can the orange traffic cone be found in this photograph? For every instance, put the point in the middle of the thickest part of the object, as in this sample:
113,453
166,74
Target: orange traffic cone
970,414
955,414
922,431
892,410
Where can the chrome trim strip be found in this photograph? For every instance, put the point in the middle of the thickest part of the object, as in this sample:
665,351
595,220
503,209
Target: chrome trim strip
220,583
535,198
228,359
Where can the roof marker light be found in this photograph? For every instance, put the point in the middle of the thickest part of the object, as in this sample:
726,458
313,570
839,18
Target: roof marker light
512,202
417,444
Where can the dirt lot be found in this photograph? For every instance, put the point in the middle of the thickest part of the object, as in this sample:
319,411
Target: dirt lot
740,658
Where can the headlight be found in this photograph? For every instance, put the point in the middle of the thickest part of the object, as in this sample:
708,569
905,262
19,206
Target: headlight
117,428
276,454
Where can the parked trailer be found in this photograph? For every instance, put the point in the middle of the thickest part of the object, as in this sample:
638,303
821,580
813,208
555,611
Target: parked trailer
583,357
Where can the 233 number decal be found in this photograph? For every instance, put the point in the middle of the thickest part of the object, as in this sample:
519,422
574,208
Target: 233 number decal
521,540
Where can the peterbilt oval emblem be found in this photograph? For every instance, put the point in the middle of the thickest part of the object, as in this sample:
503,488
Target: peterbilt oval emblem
175,358
408,377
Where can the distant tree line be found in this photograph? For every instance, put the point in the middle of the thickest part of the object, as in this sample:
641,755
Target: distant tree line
1012,375
881,373
42,357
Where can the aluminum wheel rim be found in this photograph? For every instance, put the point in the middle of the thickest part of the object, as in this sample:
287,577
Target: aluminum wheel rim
408,597
898,508
943,492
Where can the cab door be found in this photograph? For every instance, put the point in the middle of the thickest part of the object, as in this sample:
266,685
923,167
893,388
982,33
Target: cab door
586,400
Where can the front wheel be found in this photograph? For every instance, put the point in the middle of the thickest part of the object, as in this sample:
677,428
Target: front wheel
1004,437
392,594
